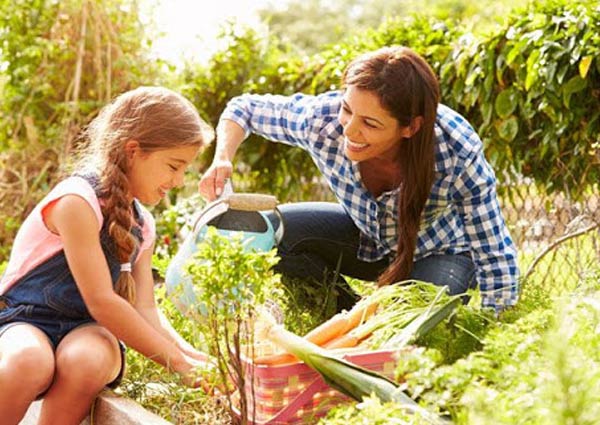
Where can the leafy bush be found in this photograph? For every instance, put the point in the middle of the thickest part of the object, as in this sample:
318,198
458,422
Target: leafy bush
63,61
230,282
60,62
532,88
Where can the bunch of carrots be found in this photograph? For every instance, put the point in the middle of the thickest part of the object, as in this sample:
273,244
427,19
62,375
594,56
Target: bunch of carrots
334,333
397,314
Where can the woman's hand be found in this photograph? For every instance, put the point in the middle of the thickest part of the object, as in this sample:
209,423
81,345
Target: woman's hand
213,181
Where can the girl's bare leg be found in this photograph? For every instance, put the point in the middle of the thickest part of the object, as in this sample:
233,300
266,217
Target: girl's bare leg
26,370
87,359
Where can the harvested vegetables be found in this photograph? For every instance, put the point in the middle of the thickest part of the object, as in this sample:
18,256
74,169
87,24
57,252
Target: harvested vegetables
391,317
350,379
336,327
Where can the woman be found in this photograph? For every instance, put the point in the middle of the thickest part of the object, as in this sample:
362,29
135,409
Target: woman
416,197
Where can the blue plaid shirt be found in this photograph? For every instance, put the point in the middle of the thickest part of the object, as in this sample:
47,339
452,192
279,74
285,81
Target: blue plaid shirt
461,215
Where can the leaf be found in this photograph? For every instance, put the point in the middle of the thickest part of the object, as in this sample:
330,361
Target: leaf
574,85
508,128
532,69
515,51
505,103
584,65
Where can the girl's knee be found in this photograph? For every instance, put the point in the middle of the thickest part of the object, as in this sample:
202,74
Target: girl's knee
89,364
30,367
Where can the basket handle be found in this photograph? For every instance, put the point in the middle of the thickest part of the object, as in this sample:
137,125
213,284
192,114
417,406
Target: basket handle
284,415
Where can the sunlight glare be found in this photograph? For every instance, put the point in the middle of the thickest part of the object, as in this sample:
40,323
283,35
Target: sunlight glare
189,28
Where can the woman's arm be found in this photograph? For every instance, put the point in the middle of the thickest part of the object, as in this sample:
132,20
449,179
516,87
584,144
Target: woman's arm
74,220
229,137
491,245
145,304
294,120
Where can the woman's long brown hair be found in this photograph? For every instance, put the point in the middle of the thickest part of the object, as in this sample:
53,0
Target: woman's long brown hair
407,88
155,117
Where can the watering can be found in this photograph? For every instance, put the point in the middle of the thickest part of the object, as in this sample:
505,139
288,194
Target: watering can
231,213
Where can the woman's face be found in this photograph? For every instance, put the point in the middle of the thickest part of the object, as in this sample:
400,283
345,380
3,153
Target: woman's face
152,174
369,129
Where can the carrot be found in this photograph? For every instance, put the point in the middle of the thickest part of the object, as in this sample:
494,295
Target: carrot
338,328
328,330
343,341
352,338
359,314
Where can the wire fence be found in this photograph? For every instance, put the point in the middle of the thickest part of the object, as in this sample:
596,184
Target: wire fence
558,238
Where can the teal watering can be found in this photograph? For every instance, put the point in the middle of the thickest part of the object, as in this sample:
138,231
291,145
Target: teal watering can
231,213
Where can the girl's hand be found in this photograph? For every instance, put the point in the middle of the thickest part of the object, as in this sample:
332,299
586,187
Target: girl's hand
196,373
199,356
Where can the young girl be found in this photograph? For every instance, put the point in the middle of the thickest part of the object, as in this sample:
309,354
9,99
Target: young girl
79,278
416,196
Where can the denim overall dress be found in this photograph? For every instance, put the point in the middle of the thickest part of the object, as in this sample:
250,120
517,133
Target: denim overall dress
47,296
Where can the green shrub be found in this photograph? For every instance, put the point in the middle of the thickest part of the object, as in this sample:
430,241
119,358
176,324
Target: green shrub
532,90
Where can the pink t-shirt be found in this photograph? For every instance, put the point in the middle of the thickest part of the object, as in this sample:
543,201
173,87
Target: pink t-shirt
35,243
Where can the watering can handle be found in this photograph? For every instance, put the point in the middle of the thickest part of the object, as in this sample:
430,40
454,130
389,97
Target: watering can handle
251,201
257,202
281,228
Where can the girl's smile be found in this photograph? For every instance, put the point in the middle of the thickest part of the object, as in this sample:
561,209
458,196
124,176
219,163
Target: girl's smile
153,174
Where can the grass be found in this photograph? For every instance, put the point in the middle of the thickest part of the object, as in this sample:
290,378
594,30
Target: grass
569,269
161,392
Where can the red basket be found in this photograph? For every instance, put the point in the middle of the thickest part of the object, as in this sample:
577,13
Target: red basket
296,394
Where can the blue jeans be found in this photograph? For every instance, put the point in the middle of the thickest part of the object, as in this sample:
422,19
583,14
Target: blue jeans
321,239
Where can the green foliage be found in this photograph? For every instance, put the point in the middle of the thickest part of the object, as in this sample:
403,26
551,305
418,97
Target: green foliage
567,390
502,383
251,63
230,282
308,26
460,335
229,279
173,221
59,63
444,386
62,61
371,411
532,90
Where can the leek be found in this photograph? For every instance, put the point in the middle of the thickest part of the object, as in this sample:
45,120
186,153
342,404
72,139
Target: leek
348,378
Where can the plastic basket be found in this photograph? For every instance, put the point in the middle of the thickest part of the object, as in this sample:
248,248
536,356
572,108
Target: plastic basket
295,394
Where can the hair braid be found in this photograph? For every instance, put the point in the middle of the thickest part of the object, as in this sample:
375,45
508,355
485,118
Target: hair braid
118,213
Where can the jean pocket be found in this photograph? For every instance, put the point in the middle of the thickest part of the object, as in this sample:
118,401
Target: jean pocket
8,314
63,296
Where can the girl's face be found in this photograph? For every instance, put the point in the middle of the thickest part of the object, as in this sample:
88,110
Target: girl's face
152,174
369,129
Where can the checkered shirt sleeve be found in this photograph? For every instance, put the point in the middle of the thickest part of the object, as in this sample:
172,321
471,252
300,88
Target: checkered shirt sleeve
476,202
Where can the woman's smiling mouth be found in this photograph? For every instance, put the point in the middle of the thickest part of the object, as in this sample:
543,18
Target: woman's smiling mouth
356,147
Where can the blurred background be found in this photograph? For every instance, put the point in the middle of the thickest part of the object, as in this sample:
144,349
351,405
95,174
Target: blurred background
526,76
